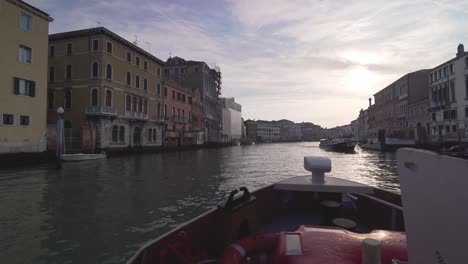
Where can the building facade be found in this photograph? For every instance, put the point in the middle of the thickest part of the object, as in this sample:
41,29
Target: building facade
107,84
198,121
267,131
289,131
178,114
231,116
448,101
199,75
23,80
311,132
250,130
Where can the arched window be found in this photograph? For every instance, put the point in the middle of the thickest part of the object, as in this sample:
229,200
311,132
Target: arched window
94,97
108,98
158,110
140,105
165,110
150,134
128,103
95,70
51,74
137,81
134,105
115,134
68,100
68,72
145,106
145,84
109,71
154,135
122,134
129,79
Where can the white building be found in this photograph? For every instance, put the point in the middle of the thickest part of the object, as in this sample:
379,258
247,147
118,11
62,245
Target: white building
268,131
448,98
232,119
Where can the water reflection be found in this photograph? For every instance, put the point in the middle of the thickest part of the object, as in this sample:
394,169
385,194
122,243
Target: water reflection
103,211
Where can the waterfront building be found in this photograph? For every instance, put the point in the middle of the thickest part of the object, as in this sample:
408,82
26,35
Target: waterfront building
231,117
289,131
199,75
311,132
198,121
178,114
267,131
106,85
448,98
23,65
390,116
251,130
363,126
244,129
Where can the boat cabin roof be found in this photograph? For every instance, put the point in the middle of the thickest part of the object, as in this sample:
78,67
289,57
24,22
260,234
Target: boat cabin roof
330,185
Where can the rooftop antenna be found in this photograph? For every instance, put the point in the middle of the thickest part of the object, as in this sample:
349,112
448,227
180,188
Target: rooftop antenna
149,46
136,40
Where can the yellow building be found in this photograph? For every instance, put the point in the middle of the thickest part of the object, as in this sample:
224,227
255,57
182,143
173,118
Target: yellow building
23,77
107,85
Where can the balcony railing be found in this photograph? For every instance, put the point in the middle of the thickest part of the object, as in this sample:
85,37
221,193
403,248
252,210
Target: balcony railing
188,134
175,119
101,110
160,119
136,115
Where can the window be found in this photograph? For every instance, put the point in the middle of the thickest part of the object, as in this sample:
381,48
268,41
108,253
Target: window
145,65
183,113
150,134
466,112
165,110
51,51
94,97
8,119
173,111
68,72
145,106
453,114
26,21
454,128
134,104
145,84
173,95
183,98
447,129
68,100
24,87
115,134
158,110
137,81
196,69
137,61
109,71
445,71
176,70
50,100
159,71
140,105
178,97
24,54
178,112
466,62
451,68
129,79
51,74
69,49
166,71
95,70
95,44
129,57
165,91
154,135
158,90
190,100
108,98
25,120
109,47
128,103
466,86
122,134
182,70
452,91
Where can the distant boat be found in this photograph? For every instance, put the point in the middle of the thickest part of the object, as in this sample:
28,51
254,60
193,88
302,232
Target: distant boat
338,144
82,157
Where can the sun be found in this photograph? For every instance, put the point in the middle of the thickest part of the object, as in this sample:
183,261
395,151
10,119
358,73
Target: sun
359,79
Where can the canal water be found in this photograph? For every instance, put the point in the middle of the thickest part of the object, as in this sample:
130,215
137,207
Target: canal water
103,211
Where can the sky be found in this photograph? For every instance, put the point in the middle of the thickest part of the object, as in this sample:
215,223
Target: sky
314,61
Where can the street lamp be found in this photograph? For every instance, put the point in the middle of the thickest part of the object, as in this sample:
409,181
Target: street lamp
59,133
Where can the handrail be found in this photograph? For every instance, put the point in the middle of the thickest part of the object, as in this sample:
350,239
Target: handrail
394,206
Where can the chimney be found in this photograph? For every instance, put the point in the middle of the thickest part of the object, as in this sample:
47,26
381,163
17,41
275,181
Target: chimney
460,50
370,102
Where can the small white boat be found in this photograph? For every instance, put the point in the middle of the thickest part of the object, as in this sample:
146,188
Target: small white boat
82,157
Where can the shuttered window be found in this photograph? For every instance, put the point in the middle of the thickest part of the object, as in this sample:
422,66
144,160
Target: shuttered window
24,87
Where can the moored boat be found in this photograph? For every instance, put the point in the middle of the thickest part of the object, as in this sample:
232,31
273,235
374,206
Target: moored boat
82,157
338,144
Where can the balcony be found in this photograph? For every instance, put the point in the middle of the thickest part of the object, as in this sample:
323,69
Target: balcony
188,134
175,119
98,110
160,119
172,134
136,115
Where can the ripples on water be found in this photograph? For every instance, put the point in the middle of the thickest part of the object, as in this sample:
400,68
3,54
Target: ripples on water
103,211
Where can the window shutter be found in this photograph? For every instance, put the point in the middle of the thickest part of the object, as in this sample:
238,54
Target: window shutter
32,89
16,86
